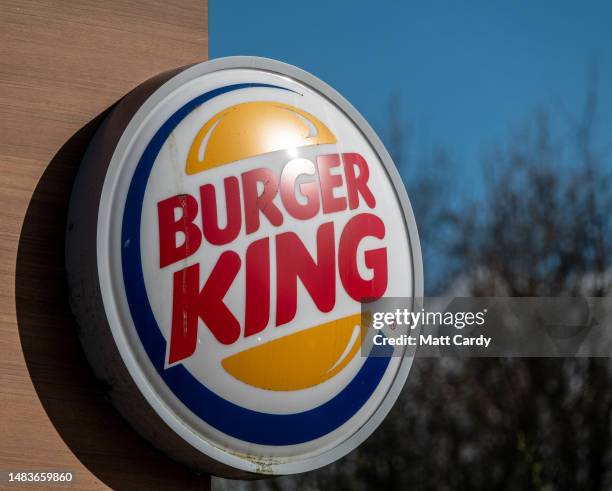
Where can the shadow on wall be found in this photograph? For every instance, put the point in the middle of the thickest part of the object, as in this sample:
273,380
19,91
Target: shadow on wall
73,399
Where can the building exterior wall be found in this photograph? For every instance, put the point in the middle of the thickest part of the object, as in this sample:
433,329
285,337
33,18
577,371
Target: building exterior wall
62,65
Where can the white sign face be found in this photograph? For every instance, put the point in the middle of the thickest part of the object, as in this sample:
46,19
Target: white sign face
246,212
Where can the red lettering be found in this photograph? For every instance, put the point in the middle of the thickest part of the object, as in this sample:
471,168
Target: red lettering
254,202
357,228
191,304
169,252
329,182
257,287
356,185
302,197
291,172
210,216
293,261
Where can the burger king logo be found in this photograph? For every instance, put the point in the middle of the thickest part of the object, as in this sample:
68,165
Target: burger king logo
246,212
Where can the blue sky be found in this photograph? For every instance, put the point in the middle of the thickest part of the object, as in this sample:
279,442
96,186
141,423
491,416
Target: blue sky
466,72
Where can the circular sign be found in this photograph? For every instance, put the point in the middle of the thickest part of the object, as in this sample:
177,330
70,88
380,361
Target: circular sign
227,222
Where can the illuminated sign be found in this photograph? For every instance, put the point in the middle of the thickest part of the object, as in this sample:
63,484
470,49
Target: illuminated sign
223,232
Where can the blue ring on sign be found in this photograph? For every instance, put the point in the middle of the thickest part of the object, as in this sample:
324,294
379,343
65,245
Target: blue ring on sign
227,417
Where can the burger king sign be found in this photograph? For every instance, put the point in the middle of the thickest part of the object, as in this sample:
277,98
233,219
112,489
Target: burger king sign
227,222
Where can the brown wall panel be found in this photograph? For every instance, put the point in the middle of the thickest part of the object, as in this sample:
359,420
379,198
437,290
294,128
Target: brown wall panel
62,64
